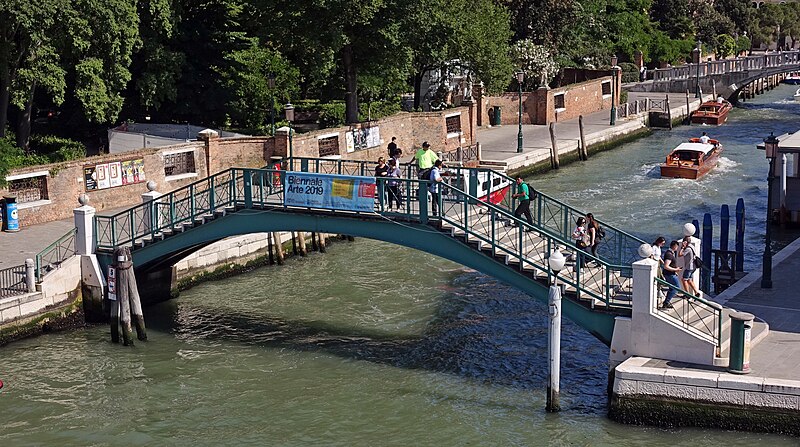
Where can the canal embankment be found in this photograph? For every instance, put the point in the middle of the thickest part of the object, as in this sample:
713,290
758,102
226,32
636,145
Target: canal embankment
499,145
767,399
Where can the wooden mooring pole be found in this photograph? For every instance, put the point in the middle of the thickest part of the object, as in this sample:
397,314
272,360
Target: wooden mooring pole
323,242
301,240
584,152
278,247
688,119
554,148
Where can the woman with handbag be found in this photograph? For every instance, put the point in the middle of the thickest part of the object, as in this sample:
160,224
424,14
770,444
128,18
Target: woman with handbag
581,237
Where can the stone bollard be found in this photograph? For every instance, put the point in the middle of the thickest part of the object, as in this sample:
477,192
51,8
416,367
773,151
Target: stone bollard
84,224
30,275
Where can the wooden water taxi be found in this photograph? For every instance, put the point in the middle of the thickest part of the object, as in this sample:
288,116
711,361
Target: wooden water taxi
797,95
712,112
691,160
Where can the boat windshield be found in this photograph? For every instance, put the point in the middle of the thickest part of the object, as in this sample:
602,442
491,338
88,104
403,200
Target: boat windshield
708,109
686,155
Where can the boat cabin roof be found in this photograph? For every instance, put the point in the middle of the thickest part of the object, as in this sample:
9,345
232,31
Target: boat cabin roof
694,147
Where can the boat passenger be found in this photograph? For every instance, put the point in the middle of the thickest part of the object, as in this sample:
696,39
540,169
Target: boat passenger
704,138
720,99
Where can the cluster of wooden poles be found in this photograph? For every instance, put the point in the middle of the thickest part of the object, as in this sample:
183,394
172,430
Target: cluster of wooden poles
319,242
583,154
123,297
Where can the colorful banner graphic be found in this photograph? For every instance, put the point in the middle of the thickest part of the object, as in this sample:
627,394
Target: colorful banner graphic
328,191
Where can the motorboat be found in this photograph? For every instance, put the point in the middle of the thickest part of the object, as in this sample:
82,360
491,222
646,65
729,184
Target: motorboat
692,160
793,79
712,112
797,95
489,186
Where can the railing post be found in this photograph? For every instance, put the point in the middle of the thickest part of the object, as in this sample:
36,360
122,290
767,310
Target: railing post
212,194
84,220
248,188
30,275
422,198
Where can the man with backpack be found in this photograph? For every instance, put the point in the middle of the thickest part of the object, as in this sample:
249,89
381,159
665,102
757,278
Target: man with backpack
524,195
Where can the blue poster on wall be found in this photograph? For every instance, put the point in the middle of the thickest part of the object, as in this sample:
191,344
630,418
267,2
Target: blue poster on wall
329,191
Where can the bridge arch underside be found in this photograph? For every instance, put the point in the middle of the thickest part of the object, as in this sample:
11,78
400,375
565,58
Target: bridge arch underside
420,237
736,87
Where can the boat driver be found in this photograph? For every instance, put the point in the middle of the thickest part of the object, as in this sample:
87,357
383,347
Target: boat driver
704,138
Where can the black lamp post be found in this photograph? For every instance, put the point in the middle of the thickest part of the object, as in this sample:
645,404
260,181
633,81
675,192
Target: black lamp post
272,96
289,109
520,75
697,50
613,119
771,149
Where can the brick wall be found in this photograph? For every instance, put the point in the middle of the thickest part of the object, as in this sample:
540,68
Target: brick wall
538,107
509,108
579,99
411,129
65,181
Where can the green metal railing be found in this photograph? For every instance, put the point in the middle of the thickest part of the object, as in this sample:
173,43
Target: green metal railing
54,254
693,313
617,248
529,246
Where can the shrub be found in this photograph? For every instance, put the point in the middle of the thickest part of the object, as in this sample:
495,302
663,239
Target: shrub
57,149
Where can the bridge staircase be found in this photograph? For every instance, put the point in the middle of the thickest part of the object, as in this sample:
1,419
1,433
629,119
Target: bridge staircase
485,236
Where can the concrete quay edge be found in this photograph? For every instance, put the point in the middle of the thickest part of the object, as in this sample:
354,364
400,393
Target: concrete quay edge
634,379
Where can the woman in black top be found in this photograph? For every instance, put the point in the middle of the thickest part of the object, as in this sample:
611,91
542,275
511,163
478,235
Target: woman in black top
382,170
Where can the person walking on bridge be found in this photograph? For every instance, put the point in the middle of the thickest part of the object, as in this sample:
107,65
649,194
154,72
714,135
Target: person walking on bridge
671,270
425,159
524,207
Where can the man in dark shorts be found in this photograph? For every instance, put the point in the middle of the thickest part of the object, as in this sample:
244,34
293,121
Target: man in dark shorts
671,271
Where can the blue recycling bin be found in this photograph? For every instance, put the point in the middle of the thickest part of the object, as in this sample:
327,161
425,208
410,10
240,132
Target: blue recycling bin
10,217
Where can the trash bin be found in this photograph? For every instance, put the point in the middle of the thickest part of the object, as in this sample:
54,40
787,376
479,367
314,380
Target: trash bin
497,116
10,218
741,324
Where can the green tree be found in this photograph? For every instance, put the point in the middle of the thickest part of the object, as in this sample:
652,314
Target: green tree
726,46
247,77
673,17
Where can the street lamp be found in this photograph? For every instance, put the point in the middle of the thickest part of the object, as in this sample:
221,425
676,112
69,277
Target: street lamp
520,75
697,50
613,119
289,109
771,149
271,79
556,262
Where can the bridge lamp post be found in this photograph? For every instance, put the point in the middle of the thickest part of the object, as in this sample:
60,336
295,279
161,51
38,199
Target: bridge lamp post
613,119
520,76
289,109
556,262
771,149
271,80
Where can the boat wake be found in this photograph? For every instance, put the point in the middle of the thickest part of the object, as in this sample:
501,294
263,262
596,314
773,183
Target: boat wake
725,164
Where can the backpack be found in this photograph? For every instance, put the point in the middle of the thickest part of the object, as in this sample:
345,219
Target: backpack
532,194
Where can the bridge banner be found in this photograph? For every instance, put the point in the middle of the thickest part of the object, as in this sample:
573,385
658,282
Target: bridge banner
329,191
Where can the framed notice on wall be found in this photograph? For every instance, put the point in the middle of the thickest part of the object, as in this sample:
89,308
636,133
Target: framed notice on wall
115,174
110,175
102,176
90,178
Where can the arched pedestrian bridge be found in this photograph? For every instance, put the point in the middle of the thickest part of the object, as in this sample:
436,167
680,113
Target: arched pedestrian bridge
727,76
469,231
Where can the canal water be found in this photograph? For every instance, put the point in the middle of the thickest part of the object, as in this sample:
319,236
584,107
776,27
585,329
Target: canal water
373,344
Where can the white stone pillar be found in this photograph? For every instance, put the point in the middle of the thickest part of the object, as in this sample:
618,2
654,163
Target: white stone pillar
84,223
644,304
153,195
30,275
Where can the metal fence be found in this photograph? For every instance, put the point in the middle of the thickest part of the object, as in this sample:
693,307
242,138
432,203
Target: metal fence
12,281
703,69
59,251
462,154
692,313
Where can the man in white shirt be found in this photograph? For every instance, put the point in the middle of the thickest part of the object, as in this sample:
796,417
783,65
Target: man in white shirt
704,138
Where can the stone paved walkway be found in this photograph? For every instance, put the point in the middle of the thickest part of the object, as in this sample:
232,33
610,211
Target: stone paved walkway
30,240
